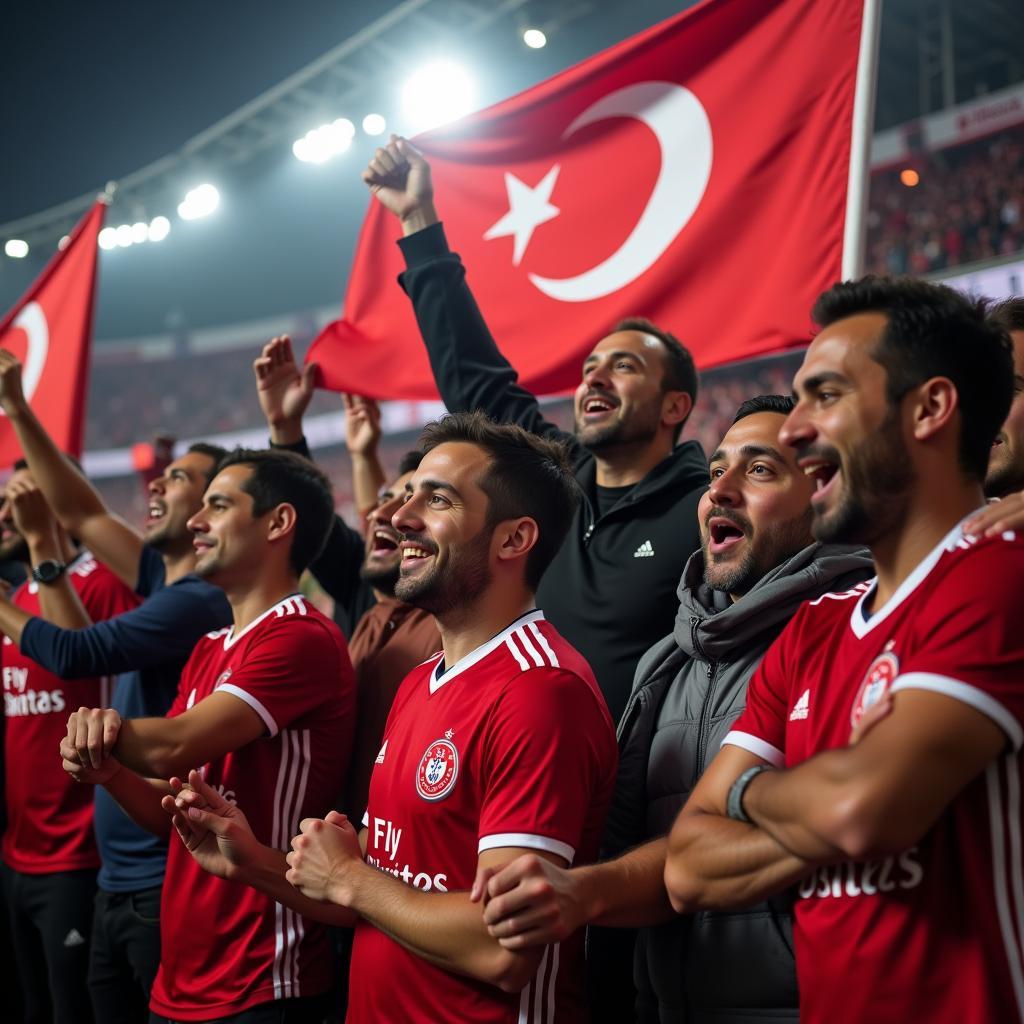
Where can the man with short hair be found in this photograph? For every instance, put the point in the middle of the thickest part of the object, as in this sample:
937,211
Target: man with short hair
756,565
499,744
49,853
146,648
611,588
1006,463
266,707
876,762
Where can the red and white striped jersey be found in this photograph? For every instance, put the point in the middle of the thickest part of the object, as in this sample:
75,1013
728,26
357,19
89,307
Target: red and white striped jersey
49,817
935,932
226,947
512,747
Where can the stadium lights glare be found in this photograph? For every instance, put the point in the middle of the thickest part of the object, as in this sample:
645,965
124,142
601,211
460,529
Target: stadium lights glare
318,145
374,124
436,94
16,248
534,38
910,177
199,202
108,238
140,232
159,228
124,236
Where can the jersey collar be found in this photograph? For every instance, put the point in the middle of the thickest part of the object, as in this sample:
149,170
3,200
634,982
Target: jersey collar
469,660
286,603
862,624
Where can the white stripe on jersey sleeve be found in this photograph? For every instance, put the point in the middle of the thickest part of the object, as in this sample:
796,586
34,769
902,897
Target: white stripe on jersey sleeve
237,691
756,746
529,842
510,644
964,692
542,640
523,638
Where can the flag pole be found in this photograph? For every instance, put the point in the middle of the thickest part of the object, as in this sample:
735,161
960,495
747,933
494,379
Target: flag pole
855,229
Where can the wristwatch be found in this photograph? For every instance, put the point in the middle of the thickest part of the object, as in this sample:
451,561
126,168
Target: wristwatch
734,801
48,571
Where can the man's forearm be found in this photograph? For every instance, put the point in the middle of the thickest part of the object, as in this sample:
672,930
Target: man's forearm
12,620
715,863
422,216
140,799
152,747
367,481
58,601
627,892
442,928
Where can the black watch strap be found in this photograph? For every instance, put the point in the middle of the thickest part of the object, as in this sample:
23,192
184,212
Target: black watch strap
48,571
734,801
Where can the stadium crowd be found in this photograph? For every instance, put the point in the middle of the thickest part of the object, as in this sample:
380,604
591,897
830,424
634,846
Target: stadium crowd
967,205
612,724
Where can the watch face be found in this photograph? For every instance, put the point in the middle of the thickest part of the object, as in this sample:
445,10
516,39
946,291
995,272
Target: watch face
48,571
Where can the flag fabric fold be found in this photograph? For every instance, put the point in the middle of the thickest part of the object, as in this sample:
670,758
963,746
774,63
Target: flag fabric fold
695,174
50,331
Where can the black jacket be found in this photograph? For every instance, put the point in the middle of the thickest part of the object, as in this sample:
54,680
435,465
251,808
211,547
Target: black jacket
690,688
610,590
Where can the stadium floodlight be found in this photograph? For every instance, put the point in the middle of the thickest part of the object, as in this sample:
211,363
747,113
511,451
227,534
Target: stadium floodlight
436,94
16,248
374,124
534,38
318,145
140,232
159,228
124,235
910,177
200,201
108,238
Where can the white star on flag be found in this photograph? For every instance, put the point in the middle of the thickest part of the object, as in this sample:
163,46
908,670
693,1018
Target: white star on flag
528,208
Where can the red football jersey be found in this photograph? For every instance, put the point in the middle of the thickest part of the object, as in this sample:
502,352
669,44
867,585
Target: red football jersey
512,746
933,933
49,817
227,947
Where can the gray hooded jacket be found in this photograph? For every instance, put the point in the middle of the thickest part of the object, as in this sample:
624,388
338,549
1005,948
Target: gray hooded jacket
688,690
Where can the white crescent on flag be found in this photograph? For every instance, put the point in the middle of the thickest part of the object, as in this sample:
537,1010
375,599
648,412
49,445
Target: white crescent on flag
683,130
32,320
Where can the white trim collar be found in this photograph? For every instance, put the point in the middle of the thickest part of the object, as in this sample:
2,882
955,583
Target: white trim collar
862,625
231,637
469,660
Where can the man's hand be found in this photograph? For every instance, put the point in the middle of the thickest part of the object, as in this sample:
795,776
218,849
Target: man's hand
214,830
530,902
283,391
12,398
92,733
32,515
399,178
998,517
362,424
874,714
81,773
323,857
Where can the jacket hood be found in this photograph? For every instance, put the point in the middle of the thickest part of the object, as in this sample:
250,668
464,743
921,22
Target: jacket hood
708,625
684,469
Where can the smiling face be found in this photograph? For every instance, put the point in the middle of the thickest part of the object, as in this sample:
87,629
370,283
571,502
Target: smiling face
446,541
230,544
13,547
173,498
1006,463
621,398
756,513
382,559
847,437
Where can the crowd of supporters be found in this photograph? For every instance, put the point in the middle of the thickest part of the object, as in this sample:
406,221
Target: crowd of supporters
681,700
967,205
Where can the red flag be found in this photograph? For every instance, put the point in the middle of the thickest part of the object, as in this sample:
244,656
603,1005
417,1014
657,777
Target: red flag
49,330
696,174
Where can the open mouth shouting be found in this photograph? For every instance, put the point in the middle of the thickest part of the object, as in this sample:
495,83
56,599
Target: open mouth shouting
155,511
415,553
597,406
824,471
723,534
383,542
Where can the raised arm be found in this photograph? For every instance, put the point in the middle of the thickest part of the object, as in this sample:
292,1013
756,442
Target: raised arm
469,370
362,437
76,504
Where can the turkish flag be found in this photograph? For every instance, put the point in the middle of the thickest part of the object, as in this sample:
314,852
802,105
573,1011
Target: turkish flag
695,174
49,330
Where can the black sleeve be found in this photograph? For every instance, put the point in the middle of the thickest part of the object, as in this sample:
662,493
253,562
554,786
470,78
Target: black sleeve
469,370
337,567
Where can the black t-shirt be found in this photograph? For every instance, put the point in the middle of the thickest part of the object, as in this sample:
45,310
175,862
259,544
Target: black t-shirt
606,498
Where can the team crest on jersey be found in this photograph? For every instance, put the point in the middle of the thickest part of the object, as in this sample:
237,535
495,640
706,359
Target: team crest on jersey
438,769
880,676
